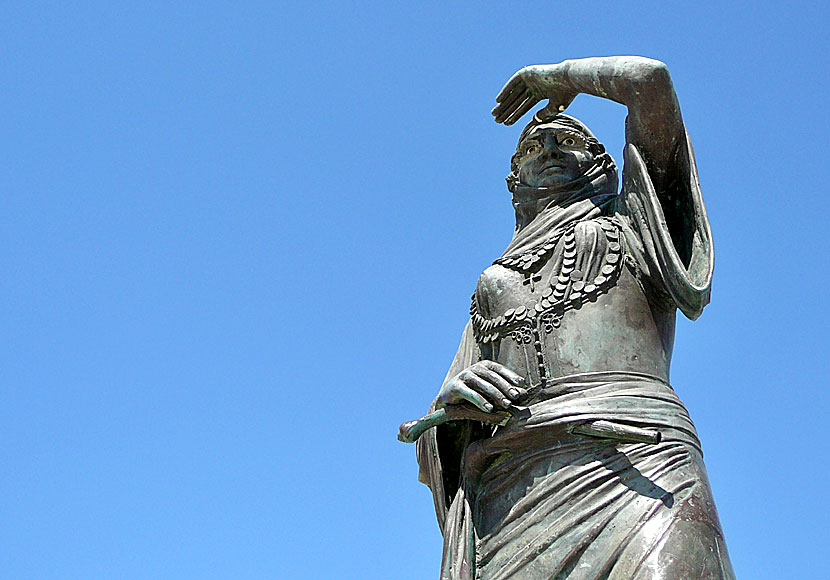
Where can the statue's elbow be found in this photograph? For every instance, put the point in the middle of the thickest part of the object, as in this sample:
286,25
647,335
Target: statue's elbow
652,73
693,307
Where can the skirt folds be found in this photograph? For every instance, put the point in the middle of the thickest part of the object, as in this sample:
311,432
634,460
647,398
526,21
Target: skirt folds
538,502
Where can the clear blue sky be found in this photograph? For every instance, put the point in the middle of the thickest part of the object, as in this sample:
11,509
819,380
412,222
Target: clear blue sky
238,245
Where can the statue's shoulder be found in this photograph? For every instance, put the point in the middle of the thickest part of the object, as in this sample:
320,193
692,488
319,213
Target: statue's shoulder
596,227
497,288
494,279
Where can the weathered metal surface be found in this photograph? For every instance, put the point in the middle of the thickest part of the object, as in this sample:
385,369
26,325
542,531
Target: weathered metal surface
580,462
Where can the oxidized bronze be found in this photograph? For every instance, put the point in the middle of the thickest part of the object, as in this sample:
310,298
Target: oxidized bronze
556,447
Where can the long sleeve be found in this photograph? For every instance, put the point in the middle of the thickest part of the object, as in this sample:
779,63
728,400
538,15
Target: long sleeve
437,449
678,256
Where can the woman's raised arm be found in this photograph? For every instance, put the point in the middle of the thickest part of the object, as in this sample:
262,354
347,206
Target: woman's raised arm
644,85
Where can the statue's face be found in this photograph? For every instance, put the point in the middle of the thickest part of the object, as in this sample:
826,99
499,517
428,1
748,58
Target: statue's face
552,155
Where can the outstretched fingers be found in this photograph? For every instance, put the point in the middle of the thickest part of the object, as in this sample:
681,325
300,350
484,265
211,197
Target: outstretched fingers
505,108
514,83
519,112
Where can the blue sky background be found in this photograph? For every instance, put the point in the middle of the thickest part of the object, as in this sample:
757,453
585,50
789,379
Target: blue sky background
239,242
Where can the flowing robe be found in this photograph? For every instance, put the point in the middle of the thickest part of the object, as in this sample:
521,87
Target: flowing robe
583,305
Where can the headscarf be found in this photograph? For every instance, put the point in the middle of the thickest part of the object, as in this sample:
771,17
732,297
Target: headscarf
541,211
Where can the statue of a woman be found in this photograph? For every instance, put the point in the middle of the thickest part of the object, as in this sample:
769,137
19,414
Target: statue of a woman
598,473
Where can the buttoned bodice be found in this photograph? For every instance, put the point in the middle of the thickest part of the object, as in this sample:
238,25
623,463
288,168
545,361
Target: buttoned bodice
577,303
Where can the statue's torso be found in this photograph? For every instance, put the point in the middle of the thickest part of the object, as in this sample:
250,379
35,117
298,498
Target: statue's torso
578,307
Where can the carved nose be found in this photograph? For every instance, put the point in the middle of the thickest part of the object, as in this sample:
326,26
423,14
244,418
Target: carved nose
551,151
551,146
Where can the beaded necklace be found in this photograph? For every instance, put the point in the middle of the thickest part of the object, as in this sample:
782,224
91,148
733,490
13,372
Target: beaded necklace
570,290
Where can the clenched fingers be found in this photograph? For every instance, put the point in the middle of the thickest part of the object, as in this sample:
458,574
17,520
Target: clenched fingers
517,380
464,393
478,384
507,390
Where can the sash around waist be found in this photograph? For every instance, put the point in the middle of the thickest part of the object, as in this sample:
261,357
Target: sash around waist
582,381
545,416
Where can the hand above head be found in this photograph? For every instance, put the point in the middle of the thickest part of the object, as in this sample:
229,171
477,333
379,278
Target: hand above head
529,86
485,384
654,123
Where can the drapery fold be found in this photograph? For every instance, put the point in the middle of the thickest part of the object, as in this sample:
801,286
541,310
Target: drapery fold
688,278
535,501
431,469
541,211
531,500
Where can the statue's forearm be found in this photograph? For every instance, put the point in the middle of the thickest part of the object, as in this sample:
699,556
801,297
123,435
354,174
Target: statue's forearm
630,80
644,85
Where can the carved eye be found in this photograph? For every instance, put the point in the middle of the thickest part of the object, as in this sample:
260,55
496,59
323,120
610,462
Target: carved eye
532,148
571,140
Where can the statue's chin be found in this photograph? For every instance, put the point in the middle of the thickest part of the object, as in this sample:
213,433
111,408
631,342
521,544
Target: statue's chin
552,181
552,176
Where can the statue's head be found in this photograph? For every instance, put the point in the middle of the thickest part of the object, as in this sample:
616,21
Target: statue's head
554,151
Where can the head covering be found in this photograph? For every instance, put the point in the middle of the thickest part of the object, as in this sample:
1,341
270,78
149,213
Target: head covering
594,146
541,211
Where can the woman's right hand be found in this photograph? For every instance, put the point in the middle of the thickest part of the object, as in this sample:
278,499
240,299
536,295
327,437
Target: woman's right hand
531,85
485,384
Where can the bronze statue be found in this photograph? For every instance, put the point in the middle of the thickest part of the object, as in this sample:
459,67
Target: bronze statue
556,447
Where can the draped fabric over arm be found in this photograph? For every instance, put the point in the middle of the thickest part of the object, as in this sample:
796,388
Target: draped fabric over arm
439,450
582,306
678,253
